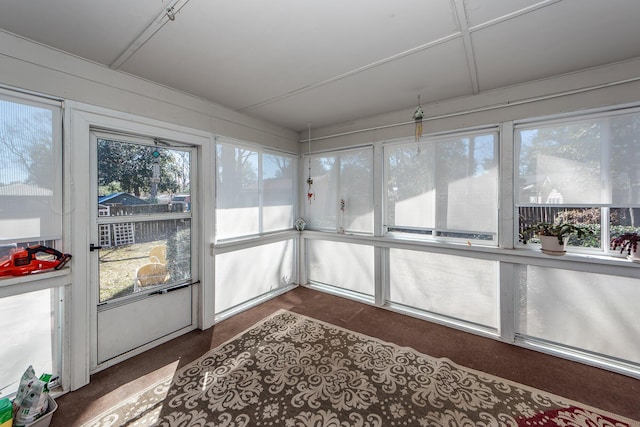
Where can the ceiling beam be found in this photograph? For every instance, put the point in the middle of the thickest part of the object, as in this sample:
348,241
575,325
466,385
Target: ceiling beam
461,17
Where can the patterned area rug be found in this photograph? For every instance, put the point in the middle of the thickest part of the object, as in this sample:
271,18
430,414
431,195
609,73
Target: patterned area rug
293,371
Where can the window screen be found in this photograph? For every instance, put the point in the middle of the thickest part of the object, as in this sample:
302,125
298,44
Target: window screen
342,198
583,171
254,191
446,187
30,171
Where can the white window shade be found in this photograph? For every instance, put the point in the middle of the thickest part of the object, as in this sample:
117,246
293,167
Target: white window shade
278,192
342,189
30,171
254,190
580,161
237,197
446,186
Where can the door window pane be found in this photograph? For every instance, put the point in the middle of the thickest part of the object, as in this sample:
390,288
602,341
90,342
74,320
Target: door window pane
140,179
142,255
139,185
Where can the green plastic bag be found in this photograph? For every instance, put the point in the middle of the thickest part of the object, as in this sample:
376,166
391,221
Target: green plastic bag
6,412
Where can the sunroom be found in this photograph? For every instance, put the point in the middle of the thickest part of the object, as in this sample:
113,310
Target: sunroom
391,153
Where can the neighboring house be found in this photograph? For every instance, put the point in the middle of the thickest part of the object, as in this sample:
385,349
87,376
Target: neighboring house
121,233
120,199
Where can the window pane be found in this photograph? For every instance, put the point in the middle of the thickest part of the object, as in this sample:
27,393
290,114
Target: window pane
342,198
588,217
560,164
411,192
577,163
594,312
624,157
236,284
237,192
30,172
356,191
624,221
136,179
453,286
448,186
322,207
136,256
343,265
278,193
30,337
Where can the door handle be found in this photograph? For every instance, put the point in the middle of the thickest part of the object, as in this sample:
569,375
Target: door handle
93,247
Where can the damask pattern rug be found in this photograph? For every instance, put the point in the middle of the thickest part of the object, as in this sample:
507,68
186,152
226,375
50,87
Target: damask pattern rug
293,371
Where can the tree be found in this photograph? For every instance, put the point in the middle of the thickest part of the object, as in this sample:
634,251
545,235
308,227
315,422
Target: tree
26,144
130,166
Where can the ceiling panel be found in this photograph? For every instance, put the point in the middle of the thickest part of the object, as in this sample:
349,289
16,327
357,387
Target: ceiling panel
542,44
481,11
96,30
435,74
240,61
565,37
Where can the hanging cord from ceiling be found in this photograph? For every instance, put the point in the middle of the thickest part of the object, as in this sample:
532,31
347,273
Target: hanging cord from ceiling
310,194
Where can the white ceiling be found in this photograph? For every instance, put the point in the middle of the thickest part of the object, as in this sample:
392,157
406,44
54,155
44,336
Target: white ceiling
294,62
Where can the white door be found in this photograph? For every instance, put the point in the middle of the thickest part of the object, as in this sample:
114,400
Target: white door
141,251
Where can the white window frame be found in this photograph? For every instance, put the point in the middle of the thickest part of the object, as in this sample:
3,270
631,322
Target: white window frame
260,151
605,178
338,226
436,234
58,280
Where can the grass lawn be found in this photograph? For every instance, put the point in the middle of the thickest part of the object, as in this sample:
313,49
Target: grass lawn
118,267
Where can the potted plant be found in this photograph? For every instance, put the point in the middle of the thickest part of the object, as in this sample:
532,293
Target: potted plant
553,236
627,242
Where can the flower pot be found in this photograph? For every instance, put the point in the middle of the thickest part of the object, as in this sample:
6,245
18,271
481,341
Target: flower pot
551,246
634,256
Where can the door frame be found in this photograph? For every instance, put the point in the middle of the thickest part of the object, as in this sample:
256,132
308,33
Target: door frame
81,313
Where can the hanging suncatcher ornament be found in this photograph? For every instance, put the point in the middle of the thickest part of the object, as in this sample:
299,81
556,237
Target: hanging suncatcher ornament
418,115
310,194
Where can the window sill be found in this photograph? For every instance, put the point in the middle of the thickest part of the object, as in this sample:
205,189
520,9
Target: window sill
34,282
606,264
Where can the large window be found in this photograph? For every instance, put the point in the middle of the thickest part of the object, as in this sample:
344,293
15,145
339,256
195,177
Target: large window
30,171
254,191
443,187
342,191
30,213
581,170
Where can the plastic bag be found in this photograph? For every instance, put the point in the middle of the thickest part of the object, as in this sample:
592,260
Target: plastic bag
6,412
31,400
